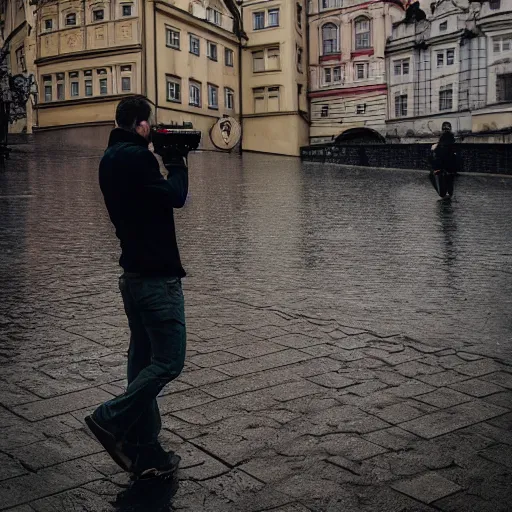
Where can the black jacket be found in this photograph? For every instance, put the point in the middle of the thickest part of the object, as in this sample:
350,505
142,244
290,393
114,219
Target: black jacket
140,203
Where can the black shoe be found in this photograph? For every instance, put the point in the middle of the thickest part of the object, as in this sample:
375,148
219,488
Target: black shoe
113,447
153,461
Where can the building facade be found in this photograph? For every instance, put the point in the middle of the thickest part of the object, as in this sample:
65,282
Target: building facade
455,66
182,55
18,47
89,55
347,75
274,73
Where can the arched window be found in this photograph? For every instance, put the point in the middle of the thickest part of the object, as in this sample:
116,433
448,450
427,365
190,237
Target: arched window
330,38
362,33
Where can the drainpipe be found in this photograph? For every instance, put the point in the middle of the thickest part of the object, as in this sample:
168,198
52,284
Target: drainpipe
155,62
240,78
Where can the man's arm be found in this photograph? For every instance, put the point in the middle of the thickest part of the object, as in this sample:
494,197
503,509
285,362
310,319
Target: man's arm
178,178
175,187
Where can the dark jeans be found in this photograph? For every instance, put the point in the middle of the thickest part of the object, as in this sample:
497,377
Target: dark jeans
156,315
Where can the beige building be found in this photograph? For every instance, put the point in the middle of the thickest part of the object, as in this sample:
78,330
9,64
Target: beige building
274,73
347,75
17,37
182,55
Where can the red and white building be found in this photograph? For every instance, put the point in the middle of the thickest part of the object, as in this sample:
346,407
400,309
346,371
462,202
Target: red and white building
347,71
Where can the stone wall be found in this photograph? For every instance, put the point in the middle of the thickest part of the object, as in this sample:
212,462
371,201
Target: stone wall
484,158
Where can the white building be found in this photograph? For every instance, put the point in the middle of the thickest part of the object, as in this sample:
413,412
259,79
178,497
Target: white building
454,66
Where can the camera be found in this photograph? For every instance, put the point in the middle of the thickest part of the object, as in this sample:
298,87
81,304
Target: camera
174,140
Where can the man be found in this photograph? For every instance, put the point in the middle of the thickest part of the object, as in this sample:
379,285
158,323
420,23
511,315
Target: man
444,159
140,203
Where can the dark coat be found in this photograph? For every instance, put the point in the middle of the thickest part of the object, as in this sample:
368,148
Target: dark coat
140,203
445,156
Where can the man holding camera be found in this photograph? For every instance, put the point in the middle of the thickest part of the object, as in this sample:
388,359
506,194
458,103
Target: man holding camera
140,203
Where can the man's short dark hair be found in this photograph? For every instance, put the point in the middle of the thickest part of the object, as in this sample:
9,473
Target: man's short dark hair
132,111
446,126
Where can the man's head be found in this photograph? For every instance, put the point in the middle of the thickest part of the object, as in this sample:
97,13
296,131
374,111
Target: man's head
446,127
133,114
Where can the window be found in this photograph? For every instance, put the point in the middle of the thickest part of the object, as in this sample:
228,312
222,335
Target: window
88,82
502,43
325,111
214,16
194,94
103,86
443,26
330,4
361,109
126,84
126,10
98,15
329,38
229,57
450,57
48,25
172,38
48,87
504,87
494,4
266,99
445,97
299,59
75,90
60,86
273,18
194,45
336,74
70,19
211,50
258,20
362,30
273,99
400,105
213,96
271,63
258,62
229,98
299,15
20,59
327,75
447,56
126,78
88,87
173,89
274,59
401,67
362,70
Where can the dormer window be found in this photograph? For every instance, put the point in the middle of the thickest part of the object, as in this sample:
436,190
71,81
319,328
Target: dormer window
98,15
214,16
70,20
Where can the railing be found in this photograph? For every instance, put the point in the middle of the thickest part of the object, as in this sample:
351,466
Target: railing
482,158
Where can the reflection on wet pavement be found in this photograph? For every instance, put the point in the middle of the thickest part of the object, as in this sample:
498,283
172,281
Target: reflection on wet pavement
377,245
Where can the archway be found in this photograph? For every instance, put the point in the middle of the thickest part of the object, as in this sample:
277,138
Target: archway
360,136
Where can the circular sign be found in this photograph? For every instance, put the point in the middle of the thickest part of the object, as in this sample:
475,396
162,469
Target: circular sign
225,133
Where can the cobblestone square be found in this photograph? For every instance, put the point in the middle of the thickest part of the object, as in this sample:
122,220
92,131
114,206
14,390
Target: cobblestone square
349,339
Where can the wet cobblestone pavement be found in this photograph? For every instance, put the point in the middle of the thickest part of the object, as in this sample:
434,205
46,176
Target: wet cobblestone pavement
349,340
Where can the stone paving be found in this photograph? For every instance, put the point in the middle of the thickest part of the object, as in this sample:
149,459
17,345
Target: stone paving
282,406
